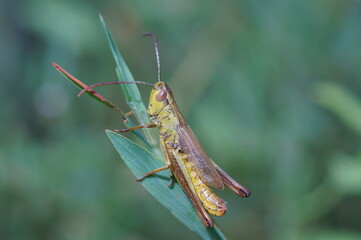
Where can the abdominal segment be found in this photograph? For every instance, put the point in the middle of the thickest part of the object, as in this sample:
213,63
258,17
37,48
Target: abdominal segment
211,202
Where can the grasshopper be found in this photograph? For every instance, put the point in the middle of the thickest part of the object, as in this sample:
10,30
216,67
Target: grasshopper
185,158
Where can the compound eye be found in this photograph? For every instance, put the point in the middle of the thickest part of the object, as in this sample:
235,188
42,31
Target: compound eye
161,96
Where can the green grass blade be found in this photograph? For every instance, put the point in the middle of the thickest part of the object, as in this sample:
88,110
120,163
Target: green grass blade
141,161
131,91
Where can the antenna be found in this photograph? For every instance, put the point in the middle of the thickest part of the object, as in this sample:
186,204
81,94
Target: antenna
155,40
88,88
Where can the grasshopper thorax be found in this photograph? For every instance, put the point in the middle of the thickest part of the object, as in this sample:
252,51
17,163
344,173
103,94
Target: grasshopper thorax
160,97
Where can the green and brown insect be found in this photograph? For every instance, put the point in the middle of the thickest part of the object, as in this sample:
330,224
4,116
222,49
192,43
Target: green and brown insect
185,158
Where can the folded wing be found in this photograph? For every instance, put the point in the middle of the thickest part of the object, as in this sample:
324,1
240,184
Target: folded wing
204,165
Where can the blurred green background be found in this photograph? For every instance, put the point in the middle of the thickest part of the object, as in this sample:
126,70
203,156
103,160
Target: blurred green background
271,88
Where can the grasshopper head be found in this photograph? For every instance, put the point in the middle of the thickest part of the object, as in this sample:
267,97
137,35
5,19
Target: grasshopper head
160,97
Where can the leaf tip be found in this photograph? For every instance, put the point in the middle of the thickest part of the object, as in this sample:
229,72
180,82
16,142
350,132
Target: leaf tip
110,132
101,17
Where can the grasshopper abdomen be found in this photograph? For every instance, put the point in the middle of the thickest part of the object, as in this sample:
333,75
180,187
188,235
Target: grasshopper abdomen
210,201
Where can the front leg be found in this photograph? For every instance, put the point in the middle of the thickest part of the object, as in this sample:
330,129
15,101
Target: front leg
148,125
